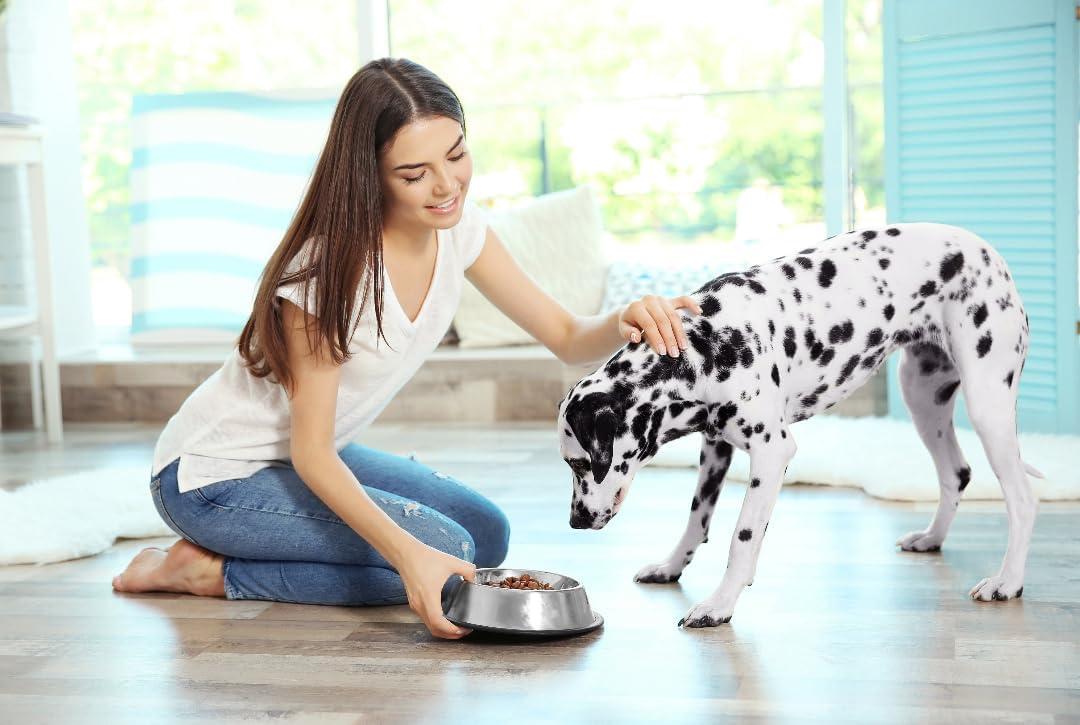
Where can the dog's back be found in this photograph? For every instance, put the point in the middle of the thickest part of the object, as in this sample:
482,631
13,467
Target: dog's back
829,316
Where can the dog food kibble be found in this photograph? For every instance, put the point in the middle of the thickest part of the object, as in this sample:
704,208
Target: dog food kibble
523,582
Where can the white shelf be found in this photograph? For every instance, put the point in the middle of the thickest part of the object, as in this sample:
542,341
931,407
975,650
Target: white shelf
13,317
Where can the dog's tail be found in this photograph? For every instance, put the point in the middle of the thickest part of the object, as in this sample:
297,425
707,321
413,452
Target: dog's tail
1033,471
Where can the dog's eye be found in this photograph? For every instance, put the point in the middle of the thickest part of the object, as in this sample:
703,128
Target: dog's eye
579,466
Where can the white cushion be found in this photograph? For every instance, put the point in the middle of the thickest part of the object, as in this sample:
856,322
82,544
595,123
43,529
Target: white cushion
557,239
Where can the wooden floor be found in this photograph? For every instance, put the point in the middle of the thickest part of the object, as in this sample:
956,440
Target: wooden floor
839,625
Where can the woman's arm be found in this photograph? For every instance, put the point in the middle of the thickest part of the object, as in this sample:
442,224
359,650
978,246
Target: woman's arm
313,404
575,339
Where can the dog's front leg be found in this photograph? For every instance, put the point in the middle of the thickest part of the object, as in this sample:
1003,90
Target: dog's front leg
715,459
768,462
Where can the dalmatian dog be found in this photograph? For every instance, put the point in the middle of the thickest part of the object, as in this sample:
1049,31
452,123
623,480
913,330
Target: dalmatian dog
785,340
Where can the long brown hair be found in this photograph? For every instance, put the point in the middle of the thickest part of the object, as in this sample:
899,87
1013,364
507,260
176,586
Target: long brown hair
342,215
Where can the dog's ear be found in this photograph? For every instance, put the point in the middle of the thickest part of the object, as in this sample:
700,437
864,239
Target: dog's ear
594,420
600,451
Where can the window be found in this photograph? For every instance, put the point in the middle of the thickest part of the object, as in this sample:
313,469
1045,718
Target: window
694,121
128,47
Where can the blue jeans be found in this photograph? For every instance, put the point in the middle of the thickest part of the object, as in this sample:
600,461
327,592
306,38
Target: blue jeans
282,543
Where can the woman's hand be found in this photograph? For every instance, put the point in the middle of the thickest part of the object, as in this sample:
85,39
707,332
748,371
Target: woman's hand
656,318
424,570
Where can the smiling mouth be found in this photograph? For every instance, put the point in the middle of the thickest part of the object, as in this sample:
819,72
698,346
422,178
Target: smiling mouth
448,205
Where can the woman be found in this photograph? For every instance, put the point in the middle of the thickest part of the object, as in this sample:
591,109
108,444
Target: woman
257,473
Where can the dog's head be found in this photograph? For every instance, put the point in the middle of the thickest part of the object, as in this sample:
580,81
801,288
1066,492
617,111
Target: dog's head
612,423
592,424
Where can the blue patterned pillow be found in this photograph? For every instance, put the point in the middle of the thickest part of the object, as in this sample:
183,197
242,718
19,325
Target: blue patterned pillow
628,281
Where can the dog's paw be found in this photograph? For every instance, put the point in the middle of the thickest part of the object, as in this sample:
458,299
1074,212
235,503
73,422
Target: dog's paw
920,541
996,589
657,574
706,615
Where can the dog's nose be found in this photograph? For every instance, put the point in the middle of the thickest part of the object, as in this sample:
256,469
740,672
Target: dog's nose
581,520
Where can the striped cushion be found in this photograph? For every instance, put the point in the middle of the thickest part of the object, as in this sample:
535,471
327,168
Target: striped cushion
215,179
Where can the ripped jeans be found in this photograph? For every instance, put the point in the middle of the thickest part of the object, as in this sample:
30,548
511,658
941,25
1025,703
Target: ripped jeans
282,543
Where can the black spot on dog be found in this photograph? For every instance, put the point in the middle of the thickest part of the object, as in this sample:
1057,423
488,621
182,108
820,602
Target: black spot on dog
698,420
875,337
640,421
756,286
745,535
984,345
709,306
772,328
776,375
794,293
883,263
714,480
826,357
759,428
650,446
964,476
848,369
841,333
892,231
669,368
789,271
950,266
868,235
789,341
889,311
985,257
1009,379
804,262
746,358
615,368
724,414
727,351
980,315
929,287
944,394
827,273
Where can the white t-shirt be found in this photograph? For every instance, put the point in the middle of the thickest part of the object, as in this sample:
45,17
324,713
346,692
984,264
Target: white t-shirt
236,423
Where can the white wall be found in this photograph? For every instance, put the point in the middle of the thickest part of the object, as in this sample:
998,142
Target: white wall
37,78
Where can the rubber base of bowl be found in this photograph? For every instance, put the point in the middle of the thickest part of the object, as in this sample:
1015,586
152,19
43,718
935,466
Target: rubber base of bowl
598,621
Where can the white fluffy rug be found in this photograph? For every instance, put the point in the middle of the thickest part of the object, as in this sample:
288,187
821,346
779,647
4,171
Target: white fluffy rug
76,515
886,458
84,513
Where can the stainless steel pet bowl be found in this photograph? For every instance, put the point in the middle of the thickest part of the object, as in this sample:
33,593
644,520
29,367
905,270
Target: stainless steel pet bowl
562,610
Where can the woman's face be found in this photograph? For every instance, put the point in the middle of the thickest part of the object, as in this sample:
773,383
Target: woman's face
425,174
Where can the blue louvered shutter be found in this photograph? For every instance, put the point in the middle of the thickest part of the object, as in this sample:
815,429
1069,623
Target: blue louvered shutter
981,132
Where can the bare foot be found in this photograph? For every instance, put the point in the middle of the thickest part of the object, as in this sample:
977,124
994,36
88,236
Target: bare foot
184,568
